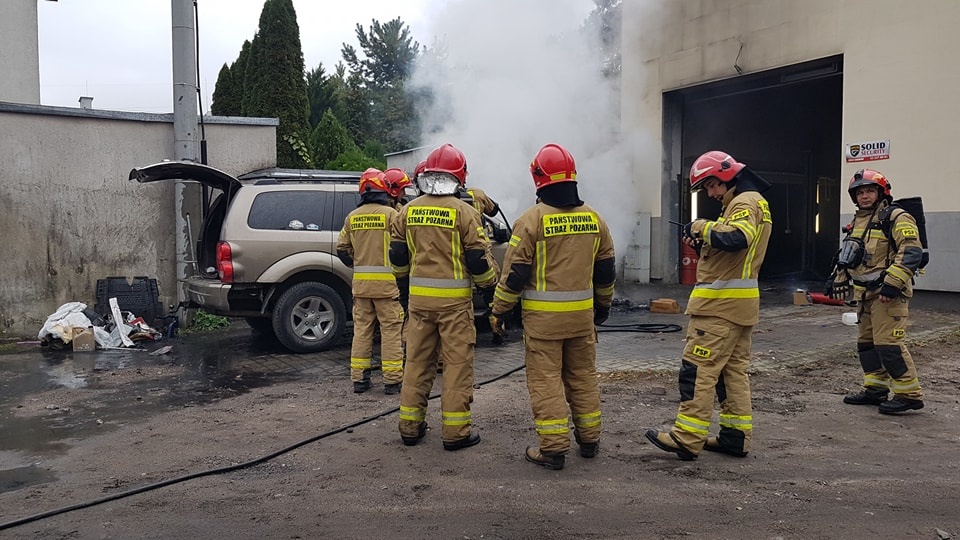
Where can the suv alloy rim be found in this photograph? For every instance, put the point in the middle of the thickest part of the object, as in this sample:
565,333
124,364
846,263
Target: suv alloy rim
312,318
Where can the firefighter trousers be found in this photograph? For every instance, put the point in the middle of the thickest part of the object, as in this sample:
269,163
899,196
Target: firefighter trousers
562,381
367,312
454,332
715,363
886,362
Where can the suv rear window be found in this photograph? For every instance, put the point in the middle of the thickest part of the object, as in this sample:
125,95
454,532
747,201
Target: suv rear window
326,209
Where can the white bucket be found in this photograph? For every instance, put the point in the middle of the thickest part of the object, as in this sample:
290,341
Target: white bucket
849,319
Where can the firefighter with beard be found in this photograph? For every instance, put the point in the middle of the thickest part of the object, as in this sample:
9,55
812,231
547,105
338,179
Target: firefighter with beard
882,279
724,306
363,246
560,266
441,239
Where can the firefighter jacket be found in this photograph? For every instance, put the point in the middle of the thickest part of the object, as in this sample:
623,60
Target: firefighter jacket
559,264
364,244
733,249
482,202
891,261
441,240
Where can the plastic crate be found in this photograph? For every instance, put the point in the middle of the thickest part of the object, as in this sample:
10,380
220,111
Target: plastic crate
140,297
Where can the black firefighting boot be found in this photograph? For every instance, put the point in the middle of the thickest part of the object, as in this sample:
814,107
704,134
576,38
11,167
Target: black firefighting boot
900,404
421,431
465,442
713,444
869,396
553,462
587,449
391,389
668,443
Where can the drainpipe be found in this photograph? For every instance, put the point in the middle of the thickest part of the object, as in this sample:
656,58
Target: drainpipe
185,118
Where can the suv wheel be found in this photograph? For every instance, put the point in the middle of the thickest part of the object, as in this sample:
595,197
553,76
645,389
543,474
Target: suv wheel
309,317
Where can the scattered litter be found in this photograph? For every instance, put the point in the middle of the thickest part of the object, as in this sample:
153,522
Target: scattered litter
118,330
162,350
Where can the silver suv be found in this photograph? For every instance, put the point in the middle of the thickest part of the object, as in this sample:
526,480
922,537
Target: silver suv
266,249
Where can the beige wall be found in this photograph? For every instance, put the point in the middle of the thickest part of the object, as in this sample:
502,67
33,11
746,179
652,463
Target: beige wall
68,214
19,52
899,81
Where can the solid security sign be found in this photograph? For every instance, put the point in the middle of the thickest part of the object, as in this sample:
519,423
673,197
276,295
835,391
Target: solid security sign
868,151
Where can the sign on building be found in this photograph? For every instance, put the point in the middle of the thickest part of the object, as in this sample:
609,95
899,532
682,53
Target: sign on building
868,151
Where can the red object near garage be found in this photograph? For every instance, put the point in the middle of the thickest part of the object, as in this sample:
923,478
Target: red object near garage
688,264
820,298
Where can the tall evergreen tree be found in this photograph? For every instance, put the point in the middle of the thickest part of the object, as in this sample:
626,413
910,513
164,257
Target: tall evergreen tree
320,93
227,94
274,83
377,104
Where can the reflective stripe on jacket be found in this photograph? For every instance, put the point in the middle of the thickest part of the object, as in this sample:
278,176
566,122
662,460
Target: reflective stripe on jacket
440,233
885,261
559,247
727,280
366,237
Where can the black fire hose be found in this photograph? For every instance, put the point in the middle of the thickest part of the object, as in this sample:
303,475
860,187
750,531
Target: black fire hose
649,328
220,470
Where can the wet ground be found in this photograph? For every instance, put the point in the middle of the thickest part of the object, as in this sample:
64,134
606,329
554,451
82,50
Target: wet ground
50,399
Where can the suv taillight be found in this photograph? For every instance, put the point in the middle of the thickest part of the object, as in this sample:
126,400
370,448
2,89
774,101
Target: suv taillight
225,262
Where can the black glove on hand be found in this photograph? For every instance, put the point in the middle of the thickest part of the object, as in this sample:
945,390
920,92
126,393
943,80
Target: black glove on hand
600,314
403,284
889,291
687,230
487,295
838,290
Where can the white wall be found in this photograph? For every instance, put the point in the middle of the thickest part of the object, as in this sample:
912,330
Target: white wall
899,83
19,52
68,214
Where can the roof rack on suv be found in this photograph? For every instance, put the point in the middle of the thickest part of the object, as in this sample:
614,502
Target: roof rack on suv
277,175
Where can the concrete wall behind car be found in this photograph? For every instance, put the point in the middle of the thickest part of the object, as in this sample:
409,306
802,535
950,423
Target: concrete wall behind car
69,216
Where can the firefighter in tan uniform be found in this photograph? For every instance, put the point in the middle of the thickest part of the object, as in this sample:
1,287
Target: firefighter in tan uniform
440,238
483,203
723,307
364,246
882,279
561,268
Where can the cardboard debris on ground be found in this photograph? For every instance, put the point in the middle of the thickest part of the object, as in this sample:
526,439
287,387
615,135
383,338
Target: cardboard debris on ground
664,305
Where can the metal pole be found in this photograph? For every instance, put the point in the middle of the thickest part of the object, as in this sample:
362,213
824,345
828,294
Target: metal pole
185,119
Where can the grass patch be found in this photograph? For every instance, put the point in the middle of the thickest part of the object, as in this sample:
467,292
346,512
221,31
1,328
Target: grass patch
205,322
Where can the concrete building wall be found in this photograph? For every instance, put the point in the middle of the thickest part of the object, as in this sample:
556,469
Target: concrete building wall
899,82
70,216
19,52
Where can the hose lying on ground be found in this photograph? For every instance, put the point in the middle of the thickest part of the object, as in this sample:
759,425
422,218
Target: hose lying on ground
220,470
651,328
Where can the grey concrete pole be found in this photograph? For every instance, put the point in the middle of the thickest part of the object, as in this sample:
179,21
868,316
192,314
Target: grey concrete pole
185,118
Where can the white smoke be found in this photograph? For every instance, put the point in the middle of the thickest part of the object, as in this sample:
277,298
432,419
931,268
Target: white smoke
510,76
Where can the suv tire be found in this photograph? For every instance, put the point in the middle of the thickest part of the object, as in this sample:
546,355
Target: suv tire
309,317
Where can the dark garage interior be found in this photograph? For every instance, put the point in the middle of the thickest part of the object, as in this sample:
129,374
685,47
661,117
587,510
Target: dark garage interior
785,124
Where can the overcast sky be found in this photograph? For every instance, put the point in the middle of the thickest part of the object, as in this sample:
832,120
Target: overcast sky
118,51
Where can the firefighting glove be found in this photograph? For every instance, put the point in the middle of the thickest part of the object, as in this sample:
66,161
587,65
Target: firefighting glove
600,314
498,325
890,291
403,284
838,290
487,295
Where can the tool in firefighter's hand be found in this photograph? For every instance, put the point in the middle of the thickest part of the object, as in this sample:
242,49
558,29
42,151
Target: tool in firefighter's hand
687,232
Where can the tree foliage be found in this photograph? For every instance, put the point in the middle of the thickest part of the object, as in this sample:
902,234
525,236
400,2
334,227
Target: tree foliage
227,94
274,84
355,160
329,139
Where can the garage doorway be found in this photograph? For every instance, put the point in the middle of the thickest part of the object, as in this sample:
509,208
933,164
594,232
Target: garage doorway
785,124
